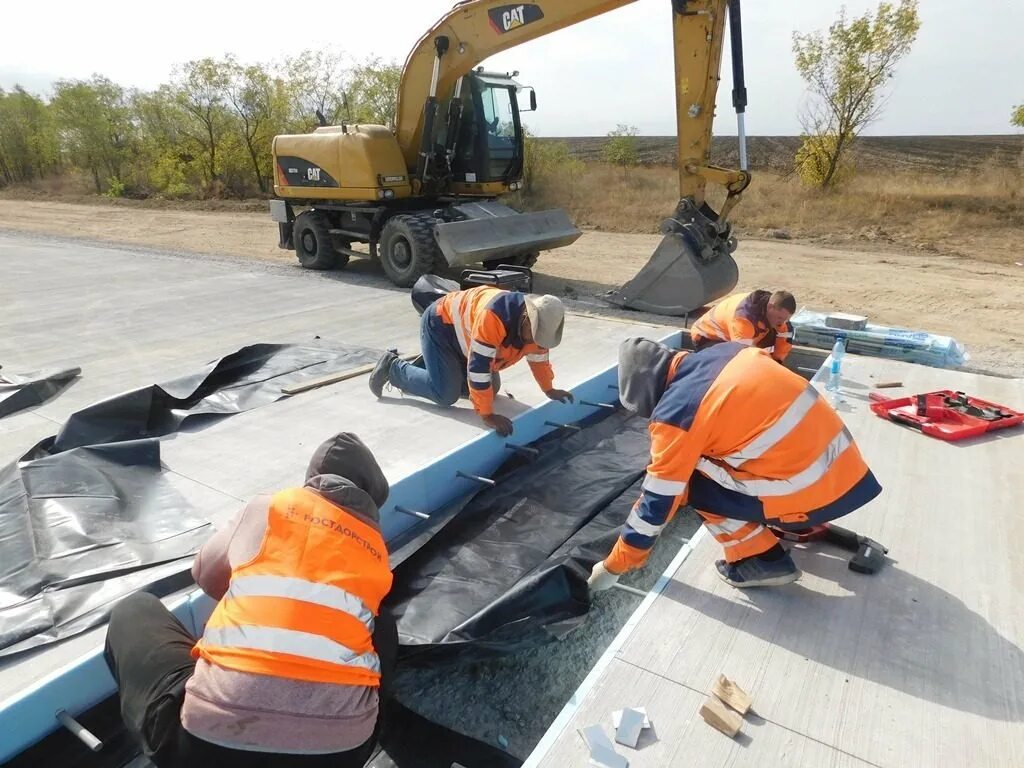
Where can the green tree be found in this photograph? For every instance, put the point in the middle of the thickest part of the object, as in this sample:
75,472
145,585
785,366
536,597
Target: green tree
1017,116
620,149
373,92
201,89
29,144
846,70
260,99
94,118
316,83
168,164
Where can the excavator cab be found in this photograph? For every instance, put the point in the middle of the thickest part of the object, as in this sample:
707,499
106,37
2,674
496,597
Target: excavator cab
489,146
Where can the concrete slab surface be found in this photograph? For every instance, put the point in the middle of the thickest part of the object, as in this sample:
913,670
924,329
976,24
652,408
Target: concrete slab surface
921,664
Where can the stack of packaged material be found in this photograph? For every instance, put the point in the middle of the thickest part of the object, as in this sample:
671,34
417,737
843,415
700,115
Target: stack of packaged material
813,329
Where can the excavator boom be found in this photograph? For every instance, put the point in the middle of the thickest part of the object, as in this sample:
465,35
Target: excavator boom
693,265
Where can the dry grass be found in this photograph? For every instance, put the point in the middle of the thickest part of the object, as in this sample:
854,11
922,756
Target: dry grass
977,212
76,188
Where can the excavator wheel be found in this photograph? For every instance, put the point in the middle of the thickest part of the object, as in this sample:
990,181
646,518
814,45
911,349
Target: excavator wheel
523,260
313,244
407,248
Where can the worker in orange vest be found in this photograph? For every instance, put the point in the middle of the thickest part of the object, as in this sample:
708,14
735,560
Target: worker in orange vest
296,659
467,337
745,442
758,319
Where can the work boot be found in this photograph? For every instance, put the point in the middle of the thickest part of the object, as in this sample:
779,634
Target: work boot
381,374
758,572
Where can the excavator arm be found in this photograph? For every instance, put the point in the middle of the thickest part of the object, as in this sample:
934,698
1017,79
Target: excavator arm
469,33
693,264
477,29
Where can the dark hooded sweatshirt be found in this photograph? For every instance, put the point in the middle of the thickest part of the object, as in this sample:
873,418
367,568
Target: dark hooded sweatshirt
254,712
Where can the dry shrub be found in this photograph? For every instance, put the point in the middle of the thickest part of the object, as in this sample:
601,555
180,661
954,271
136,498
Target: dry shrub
978,211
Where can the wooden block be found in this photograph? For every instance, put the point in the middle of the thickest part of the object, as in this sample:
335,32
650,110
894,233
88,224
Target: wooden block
889,384
732,694
717,715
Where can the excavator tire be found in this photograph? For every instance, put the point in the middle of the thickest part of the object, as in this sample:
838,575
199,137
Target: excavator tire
407,248
523,260
313,243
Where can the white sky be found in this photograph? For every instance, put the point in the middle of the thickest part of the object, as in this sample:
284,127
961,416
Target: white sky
962,77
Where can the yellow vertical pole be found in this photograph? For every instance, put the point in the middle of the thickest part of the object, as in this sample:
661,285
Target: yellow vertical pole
698,30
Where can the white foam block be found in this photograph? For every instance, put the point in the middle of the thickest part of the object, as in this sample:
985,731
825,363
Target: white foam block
602,753
617,717
630,724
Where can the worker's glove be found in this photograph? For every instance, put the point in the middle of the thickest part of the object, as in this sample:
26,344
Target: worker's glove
560,395
500,424
601,578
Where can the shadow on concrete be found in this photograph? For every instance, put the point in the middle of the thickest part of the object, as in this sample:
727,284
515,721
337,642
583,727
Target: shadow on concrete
461,411
908,634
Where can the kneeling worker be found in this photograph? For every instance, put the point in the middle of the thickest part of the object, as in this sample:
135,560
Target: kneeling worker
757,319
745,442
294,663
470,336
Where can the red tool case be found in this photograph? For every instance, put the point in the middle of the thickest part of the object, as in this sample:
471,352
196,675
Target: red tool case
945,414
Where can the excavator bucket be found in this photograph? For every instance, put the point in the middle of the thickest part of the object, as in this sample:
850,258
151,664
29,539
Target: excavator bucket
491,231
691,267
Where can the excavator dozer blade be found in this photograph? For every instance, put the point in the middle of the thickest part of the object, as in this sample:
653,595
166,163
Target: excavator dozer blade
677,279
493,231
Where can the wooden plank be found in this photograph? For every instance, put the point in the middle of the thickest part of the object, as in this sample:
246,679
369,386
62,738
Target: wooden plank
334,378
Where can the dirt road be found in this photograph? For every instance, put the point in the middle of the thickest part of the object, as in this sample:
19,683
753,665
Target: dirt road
979,303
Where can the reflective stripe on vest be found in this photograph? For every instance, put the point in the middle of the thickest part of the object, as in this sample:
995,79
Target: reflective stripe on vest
782,487
326,595
292,642
748,537
727,527
664,487
459,324
641,526
786,423
479,348
709,328
303,607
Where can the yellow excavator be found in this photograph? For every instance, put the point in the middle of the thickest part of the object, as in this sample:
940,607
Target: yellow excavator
424,196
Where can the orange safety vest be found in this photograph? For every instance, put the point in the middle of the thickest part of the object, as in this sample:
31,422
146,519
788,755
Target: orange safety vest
739,436
740,318
303,607
486,325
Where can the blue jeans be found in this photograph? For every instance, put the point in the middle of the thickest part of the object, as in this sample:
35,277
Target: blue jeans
443,375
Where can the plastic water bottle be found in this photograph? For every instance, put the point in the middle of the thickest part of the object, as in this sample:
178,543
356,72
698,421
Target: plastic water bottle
838,351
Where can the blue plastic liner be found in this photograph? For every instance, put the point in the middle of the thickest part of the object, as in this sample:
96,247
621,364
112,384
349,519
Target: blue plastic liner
881,341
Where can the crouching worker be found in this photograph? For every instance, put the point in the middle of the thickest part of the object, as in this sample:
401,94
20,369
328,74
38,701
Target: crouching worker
745,442
295,661
757,319
468,336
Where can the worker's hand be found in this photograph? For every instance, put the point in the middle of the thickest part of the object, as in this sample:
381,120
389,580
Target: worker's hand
560,395
500,424
601,578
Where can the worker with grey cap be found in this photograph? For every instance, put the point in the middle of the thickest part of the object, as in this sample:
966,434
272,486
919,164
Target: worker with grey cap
466,338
